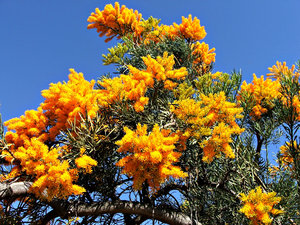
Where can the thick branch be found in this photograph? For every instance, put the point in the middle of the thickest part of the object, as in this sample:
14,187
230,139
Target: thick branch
14,190
126,207
95,209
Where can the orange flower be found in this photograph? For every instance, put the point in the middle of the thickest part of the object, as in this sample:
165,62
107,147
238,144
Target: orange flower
15,171
50,174
260,94
133,87
295,104
114,21
160,32
191,28
218,142
281,70
286,157
203,53
257,206
211,121
32,124
85,162
64,102
150,156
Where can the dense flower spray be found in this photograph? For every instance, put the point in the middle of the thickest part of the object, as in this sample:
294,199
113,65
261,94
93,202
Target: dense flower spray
212,121
115,21
286,156
260,94
52,174
134,86
257,206
151,156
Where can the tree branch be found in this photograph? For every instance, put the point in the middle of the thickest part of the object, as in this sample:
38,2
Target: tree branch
18,189
173,218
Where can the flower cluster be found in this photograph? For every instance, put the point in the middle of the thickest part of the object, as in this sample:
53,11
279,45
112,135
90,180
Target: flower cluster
31,125
86,163
260,94
150,156
281,70
203,53
64,102
115,21
210,120
133,86
52,175
190,29
286,158
219,142
289,79
258,205
296,105
15,172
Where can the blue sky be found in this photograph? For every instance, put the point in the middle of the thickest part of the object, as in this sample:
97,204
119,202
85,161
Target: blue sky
40,40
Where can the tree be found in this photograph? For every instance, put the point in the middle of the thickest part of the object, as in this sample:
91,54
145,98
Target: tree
165,140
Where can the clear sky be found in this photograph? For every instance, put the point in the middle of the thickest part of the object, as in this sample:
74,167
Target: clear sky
41,39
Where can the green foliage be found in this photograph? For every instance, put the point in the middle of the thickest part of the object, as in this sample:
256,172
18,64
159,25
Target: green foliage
115,54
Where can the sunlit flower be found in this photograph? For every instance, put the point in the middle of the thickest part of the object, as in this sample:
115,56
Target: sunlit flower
85,162
150,157
258,205
286,155
133,86
281,69
211,121
203,53
191,28
116,21
260,94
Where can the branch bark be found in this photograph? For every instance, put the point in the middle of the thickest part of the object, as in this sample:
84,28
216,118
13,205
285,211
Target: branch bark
126,207
18,189
13,190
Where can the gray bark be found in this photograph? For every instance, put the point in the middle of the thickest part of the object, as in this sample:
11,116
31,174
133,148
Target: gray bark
17,189
12,190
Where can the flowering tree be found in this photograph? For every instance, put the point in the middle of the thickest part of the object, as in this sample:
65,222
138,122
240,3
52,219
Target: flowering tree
166,140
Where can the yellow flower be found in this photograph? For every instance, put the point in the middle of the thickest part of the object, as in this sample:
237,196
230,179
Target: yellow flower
280,70
211,121
133,86
150,157
77,190
85,162
203,53
82,150
116,21
260,94
258,205
64,102
286,157
15,171
191,28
